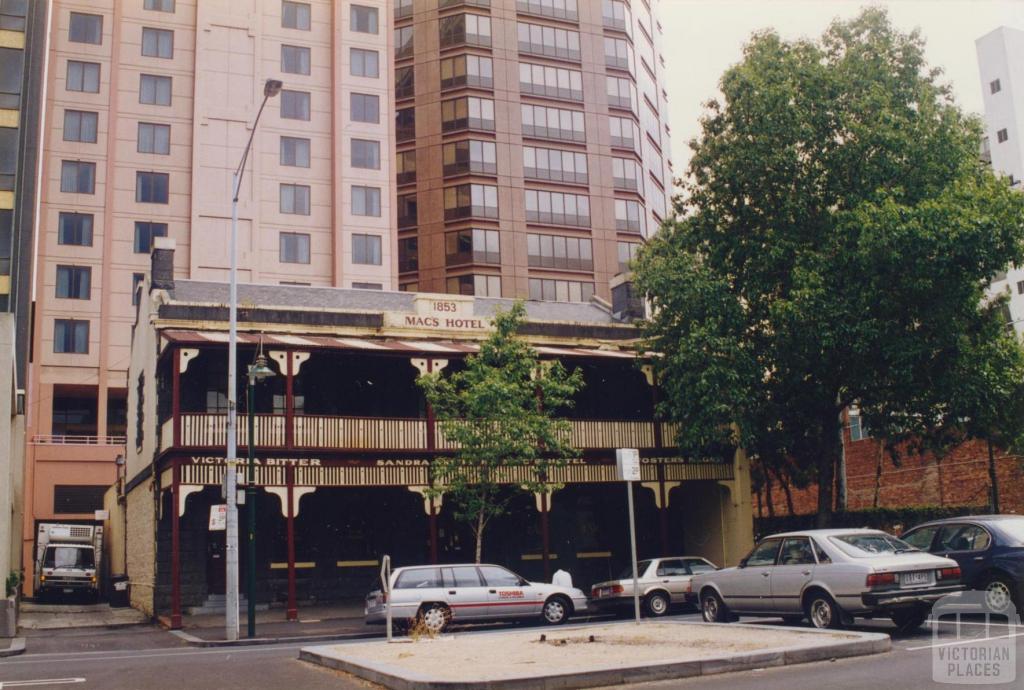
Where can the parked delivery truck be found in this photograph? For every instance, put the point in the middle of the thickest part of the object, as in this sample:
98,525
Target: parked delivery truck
68,560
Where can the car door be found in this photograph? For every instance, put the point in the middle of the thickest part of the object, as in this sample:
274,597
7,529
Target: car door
794,570
966,544
749,588
464,592
673,575
507,596
414,586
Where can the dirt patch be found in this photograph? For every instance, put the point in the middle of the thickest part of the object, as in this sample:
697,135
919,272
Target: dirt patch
507,655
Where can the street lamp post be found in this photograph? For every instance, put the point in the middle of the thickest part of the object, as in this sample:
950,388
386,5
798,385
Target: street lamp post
271,88
258,371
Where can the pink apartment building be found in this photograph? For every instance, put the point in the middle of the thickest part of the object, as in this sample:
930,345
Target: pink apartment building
148,105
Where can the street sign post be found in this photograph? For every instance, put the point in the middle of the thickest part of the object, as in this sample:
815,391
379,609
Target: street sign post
385,586
627,466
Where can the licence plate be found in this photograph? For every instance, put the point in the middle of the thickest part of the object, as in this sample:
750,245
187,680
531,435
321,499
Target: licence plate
604,591
922,577
68,591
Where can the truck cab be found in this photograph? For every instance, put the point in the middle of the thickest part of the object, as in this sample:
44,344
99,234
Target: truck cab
68,560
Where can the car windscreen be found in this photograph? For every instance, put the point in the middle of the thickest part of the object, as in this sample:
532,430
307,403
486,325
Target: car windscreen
869,545
1012,528
68,557
627,572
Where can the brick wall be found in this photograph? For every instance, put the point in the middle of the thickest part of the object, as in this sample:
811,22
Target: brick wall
140,556
960,478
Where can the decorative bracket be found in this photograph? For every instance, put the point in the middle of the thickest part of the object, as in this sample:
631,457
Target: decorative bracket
185,357
648,371
426,366
431,505
184,491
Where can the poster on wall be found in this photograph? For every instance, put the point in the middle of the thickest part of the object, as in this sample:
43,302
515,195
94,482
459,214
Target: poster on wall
218,517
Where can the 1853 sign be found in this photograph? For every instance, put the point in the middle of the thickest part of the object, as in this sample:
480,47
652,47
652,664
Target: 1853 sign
441,313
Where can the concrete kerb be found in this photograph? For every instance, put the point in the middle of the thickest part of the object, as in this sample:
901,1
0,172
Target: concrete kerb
194,641
391,676
16,647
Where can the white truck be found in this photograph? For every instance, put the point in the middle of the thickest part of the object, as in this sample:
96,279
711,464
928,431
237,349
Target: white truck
68,560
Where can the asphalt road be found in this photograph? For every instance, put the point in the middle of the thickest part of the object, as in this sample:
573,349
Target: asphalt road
150,659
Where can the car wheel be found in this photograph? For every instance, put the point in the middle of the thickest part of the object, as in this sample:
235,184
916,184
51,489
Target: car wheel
555,611
998,594
713,609
823,612
656,604
908,620
435,617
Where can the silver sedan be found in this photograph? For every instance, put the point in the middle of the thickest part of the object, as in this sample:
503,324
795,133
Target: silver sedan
437,595
829,576
662,582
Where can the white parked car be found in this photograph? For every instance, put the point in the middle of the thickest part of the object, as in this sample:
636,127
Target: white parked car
662,582
437,595
829,576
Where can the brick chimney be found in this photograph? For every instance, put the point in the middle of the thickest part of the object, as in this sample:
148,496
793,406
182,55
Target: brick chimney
162,264
626,304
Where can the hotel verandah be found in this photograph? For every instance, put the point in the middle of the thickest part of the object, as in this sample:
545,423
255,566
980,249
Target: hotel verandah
344,441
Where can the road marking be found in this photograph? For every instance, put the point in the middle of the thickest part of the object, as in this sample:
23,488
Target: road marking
965,641
39,681
35,658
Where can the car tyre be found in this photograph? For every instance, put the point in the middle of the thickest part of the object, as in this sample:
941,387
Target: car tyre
823,611
713,609
435,617
556,611
656,604
909,620
999,595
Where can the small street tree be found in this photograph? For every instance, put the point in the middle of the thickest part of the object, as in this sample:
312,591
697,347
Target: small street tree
834,241
499,412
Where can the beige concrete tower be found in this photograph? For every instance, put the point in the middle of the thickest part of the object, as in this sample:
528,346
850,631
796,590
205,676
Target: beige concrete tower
149,106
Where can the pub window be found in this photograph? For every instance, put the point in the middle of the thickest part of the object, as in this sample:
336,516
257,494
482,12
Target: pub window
626,174
557,208
364,63
555,165
74,411
627,254
627,215
405,82
363,19
403,42
366,154
618,54
621,93
405,124
553,82
405,166
553,123
548,41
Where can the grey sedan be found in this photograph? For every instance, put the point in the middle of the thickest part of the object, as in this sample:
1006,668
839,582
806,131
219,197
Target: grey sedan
662,582
437,595
829,576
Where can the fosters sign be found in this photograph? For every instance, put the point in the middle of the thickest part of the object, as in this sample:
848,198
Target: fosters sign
440,313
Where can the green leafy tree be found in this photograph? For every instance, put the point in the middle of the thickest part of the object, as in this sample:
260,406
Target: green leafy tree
499,411
832,246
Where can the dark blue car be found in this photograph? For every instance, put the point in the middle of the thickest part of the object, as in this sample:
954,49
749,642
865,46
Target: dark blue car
989,549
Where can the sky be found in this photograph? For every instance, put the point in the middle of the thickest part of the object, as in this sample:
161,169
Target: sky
703,38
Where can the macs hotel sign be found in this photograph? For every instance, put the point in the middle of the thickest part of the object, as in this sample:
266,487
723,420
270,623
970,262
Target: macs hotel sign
439,313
